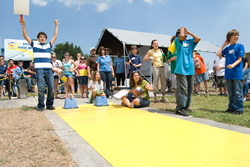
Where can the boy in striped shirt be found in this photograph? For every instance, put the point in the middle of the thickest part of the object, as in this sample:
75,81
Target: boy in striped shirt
42,64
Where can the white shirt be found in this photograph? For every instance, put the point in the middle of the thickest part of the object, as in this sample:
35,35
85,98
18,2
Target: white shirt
57,64
220,62
95,85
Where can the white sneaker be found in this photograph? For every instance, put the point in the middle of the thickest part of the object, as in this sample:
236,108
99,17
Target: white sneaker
244,99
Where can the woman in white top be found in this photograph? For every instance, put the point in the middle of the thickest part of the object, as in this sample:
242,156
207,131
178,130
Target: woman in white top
95,87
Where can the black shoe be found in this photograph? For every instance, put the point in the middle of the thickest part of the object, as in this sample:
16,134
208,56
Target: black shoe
31,91
50,108
39,109
236,112
14,95
229,111
225,94
221,94
181,112
62,92
189,110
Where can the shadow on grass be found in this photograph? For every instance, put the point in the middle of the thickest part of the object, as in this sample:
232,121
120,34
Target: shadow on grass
211,110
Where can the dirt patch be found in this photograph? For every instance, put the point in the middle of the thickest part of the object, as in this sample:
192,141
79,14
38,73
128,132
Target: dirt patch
27,139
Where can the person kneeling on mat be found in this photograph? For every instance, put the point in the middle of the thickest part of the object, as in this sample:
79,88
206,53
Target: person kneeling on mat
95,87
140,88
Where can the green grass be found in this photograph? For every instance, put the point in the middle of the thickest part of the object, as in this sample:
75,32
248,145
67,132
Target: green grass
27,108
212,108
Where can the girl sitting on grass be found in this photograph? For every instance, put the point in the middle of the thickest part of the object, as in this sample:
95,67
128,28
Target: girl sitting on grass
140,88
95,87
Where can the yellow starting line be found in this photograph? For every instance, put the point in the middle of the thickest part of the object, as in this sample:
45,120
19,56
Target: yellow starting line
136,138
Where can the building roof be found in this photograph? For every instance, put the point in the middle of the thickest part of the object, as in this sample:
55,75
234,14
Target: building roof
114,39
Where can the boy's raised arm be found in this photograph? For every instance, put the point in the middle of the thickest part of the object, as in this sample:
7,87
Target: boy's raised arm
55,33
219,53
24,31
196,38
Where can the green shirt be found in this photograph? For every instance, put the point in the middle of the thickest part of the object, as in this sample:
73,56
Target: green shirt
173,63
144,93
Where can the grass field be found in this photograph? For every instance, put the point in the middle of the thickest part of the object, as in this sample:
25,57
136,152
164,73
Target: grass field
212,108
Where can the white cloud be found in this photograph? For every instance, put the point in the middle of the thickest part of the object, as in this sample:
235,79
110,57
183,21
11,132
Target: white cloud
40,2
101,5
151,2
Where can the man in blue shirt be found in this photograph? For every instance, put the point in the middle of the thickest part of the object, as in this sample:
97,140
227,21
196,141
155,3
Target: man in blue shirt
42,64
119,69
17,74
184,69
134,60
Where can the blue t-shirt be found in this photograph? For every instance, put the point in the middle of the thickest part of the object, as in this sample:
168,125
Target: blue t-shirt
17,72
3,69
104,63
184,61
232,53
119,64
134,60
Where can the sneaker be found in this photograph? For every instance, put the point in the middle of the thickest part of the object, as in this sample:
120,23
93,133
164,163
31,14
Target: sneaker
14,95
50,108
221,94
39,109
181,112
31,91
110,97
2,97
122,104
189,110
206,94
236,112
244,99
229,111
225,94
198,93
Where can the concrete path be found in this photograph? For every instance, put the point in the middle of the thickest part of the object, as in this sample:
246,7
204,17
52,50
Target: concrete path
82,153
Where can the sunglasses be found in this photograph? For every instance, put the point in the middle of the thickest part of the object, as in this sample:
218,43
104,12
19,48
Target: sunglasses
82,59
53,57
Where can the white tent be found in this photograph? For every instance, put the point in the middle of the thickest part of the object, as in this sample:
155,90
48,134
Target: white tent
122,40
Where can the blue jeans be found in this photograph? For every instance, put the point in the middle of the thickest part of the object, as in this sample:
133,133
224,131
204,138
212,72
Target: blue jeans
185,84
45,76
245,88
234,88
27,81
247,74
106,78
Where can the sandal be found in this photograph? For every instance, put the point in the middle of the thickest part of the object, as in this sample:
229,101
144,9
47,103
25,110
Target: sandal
156,101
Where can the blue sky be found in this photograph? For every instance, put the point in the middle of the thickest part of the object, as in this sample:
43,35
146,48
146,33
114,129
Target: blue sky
81,21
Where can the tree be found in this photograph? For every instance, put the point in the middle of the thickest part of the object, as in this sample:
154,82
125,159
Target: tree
61,48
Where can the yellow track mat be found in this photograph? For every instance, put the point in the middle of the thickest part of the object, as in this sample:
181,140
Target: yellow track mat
136,138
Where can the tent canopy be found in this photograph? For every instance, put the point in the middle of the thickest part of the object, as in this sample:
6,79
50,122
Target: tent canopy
114,39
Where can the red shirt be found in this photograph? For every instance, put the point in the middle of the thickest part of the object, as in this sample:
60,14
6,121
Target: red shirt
10,69
202,68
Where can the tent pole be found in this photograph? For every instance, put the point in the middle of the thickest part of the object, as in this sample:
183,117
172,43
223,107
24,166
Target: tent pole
125,64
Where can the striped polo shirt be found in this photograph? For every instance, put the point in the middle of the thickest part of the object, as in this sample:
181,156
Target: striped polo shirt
42,56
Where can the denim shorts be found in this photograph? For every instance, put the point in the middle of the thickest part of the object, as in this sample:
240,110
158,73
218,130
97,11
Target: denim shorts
83,80
56,77
69,76
2,82
143,102
202,77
